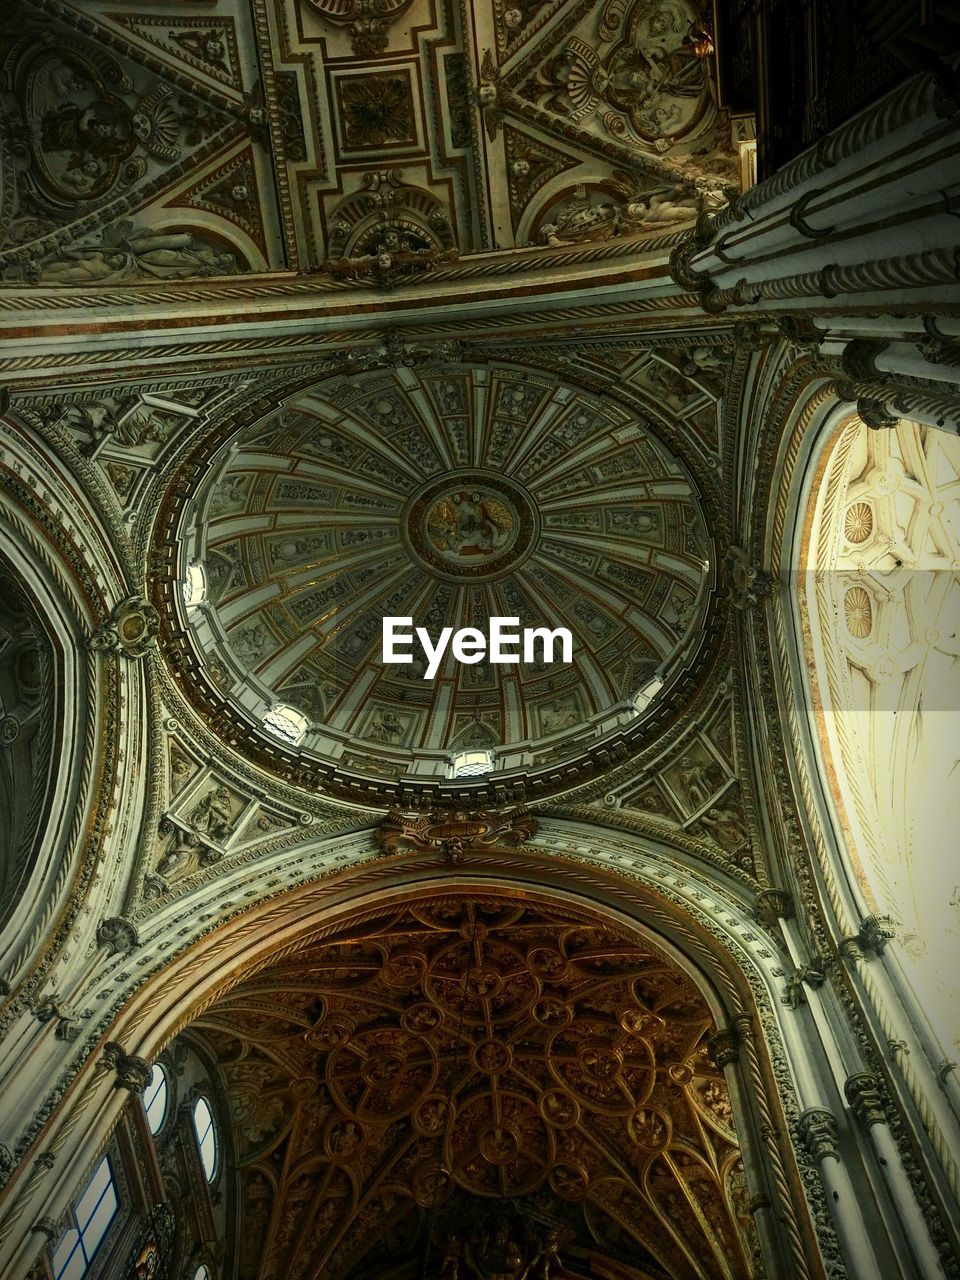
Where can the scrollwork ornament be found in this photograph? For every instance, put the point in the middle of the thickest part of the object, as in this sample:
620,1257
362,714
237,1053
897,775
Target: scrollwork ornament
117,933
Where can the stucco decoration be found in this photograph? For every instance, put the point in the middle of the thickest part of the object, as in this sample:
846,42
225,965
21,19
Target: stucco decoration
448,494
882,596
462,1050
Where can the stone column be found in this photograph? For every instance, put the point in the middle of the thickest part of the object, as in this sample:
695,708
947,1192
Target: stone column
863,1094
820,1135
724,1047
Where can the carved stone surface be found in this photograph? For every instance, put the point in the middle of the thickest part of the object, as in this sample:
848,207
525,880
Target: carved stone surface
819,1132
454,831
581,1056
133,1073
771,905
450,493
863,1093
117,933
131,631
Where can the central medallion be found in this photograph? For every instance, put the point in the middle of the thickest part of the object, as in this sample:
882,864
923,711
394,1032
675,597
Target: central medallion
472,524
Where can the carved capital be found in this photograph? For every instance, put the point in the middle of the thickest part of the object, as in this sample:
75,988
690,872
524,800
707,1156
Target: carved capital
819,1133
939,350
875,932
724,1046
118,933
875,414
770,905
863,1094
681,265
859,358
46,1226
800,331
133,1073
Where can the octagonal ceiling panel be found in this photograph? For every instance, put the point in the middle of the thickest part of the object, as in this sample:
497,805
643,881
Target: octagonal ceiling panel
450,495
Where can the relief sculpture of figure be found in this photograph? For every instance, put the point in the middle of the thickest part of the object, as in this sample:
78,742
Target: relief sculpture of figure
695,780
662,209
213,816
125,254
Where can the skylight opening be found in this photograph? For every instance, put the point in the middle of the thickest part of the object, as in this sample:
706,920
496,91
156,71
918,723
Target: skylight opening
470,764
646,694
287,723
194,586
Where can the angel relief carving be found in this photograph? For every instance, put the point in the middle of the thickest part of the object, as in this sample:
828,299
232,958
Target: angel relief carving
124,253
590,213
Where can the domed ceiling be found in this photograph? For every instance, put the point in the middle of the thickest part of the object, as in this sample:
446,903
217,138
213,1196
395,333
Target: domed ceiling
448,494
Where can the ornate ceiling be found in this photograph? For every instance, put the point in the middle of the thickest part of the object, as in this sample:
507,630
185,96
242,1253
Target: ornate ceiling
304,134
450,493
419,1070
882,599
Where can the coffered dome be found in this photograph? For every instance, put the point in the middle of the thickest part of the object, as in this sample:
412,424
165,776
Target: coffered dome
448,494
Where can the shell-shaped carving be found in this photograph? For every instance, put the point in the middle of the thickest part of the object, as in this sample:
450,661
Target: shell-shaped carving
858,522
858,611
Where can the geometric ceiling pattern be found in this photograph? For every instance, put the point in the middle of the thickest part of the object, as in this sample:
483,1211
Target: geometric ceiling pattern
143,146
414,1073
449,494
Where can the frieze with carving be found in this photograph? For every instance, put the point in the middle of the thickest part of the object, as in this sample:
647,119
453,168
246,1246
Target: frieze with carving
455,832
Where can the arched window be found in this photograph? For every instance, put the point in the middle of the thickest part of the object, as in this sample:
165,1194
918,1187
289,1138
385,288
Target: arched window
201,1273
194,586
91,1216
155,1097
287,723
469,764
206,1137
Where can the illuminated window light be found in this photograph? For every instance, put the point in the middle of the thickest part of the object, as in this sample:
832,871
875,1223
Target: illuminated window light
645,695
287,723
470,764
194,586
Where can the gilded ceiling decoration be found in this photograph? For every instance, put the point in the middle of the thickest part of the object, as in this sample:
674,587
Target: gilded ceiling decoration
449,494
147,146
437,1067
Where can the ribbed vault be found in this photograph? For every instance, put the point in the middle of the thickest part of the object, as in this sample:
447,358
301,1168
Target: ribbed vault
499,1074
